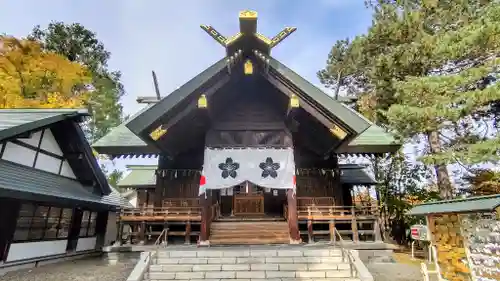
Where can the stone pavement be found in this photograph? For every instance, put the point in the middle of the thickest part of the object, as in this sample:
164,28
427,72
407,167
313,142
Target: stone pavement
88,269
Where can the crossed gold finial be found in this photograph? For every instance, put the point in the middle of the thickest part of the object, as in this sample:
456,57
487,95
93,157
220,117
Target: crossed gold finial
248,27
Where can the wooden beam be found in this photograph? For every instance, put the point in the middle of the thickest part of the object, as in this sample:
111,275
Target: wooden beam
282,35
221,39
157,88
147,100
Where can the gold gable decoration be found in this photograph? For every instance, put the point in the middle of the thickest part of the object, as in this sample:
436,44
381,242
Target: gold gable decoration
248,67
202,102
338,132
158,133
294,101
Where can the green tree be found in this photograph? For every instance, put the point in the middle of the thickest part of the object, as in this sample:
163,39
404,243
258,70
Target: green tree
452,106
401,43
79,44
401,184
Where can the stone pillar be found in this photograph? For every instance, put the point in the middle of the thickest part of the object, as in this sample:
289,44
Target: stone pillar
293,221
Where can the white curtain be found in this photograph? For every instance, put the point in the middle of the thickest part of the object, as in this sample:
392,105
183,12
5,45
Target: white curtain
271,168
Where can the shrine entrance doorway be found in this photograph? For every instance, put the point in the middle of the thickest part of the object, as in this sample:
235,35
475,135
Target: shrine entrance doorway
252,201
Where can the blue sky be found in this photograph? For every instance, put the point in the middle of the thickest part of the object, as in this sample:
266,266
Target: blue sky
165,35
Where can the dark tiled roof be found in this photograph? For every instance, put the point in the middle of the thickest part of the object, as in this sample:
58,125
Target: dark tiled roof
472,204
19,178
18,121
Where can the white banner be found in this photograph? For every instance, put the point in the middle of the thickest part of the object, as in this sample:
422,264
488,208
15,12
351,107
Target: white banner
268,168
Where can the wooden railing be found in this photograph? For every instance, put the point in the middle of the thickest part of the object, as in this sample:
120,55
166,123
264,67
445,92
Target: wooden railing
336,212
181,202
315,201
162,214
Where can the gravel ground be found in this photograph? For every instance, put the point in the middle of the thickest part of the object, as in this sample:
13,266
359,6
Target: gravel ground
88,269
394,272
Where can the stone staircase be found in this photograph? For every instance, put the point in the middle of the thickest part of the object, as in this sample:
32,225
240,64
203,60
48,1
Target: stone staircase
249,233
243,263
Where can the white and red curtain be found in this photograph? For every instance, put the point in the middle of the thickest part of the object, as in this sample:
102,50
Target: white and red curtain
268,168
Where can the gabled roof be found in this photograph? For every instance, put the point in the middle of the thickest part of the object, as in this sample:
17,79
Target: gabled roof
320,100
373,140
18,121
147,118
316,99
121,141
467,205
140,175
26,183
15,122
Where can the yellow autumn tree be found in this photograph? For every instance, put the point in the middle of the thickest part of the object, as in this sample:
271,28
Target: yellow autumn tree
33,78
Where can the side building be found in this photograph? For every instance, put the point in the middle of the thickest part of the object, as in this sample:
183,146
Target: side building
55,201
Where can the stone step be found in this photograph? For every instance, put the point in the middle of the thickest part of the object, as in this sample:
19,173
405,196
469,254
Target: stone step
248,260
268,279
242,253
265,240
249,267
246,275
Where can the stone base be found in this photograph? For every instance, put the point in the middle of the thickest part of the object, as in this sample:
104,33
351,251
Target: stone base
295,242
205,243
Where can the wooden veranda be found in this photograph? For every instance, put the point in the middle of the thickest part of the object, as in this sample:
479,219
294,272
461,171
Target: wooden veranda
317,218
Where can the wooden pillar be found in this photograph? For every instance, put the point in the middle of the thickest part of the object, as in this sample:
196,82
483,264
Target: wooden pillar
337,184
187,238
142,232
101,228
332,231
161,182
293,220
119,232
354,226
205,200
376,230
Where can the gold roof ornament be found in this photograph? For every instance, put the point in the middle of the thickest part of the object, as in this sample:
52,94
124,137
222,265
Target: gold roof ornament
202,102
247,39
248,67
338,132
294,101
248,14
157,133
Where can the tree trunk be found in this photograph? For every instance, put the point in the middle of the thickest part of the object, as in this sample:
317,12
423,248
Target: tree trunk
443,178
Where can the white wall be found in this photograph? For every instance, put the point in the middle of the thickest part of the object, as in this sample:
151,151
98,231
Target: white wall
22,251
85,244
26,156
111,229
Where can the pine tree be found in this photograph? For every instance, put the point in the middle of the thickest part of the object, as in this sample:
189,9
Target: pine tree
403,42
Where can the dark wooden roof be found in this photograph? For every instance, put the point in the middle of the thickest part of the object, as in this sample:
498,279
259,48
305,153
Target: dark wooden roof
248,44
67,131
18,181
